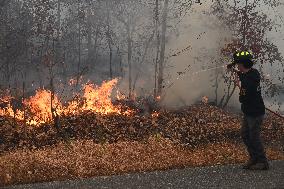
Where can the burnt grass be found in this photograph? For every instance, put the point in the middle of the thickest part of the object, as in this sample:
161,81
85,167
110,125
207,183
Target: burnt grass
190,127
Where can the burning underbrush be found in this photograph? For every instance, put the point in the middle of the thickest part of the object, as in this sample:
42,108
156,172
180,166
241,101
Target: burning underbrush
46,106
43,120
45,139
193,126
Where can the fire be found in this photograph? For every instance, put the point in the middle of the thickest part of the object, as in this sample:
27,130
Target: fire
10,112
205,99
98,99
43,105
119,95
155,114
75,81
72,82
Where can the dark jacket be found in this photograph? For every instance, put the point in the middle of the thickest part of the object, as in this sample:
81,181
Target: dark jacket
250,94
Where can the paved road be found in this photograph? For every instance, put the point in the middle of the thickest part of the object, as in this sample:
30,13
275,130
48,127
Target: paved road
231,176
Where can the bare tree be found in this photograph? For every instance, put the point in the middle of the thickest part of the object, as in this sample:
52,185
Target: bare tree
249,26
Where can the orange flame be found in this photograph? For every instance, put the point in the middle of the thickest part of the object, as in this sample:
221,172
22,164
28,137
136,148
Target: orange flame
43,106
8,110
98,99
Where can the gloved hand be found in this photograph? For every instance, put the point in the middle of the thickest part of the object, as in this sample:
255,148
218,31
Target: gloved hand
230,66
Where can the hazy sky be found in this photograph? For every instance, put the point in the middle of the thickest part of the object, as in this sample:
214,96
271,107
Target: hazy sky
278,37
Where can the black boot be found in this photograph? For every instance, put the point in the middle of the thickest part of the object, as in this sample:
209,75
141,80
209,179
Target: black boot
259,166
249,163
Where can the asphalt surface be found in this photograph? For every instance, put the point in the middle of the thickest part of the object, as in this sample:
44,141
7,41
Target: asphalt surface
231,176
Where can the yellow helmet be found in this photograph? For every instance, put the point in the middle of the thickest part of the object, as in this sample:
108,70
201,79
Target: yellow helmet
242,56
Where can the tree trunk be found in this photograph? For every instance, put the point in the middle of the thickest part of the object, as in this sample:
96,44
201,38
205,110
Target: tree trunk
216,88
156,22
79,45
96,43
109,41
229,96
163,47
59,50
110,60
5,32
89,36
120,62
129,48
58,19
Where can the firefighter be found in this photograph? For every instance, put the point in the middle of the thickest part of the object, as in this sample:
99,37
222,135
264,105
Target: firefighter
252,105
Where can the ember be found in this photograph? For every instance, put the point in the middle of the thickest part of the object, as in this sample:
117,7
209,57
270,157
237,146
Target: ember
155,114
205,99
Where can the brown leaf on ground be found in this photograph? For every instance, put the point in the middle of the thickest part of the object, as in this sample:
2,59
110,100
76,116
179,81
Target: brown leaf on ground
84,158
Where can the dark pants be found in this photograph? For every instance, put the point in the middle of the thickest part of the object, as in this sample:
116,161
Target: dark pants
250,133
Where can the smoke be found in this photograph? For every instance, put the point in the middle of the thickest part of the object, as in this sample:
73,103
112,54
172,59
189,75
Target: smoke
195,41
205,35
193,45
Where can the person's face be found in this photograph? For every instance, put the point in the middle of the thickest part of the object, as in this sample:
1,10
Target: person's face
242,68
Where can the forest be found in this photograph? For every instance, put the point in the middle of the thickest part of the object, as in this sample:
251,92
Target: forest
104,75
45,44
